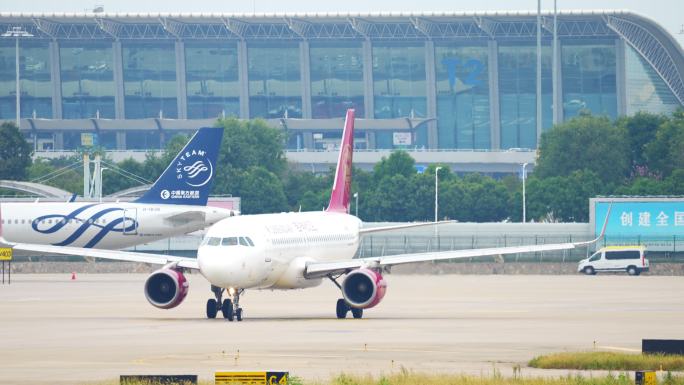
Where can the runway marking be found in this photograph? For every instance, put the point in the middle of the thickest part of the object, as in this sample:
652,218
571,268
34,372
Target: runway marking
214,357
400,350
620,349
30,299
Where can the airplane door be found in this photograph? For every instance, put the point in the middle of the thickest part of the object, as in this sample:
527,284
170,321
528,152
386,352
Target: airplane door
130,221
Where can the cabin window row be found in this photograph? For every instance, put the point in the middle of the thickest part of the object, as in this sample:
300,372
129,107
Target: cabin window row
313,239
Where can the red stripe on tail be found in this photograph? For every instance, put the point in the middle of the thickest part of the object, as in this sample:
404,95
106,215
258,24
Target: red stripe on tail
340,197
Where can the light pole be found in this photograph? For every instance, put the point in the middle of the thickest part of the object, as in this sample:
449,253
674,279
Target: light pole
437,192
101,172
17,32
356,204
524,219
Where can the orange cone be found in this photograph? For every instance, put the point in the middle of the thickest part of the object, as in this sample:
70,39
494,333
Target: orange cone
73,276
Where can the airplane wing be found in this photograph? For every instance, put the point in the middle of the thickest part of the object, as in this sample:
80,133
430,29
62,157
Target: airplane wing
400,227
322,269
115,255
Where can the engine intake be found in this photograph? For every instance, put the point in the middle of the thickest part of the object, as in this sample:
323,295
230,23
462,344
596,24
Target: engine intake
166,288
363,288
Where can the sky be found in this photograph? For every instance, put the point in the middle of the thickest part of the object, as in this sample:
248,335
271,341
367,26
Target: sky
669,13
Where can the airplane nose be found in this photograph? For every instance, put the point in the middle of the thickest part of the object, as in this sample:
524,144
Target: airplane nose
229,266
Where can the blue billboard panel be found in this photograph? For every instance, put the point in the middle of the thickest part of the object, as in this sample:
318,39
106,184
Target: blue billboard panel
634,218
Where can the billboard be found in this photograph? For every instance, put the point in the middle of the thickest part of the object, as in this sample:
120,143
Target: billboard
639,217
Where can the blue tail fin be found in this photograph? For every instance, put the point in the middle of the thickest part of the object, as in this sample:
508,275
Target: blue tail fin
188,179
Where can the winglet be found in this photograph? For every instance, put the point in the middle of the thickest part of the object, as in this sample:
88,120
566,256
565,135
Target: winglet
603,230
189,177
340,196
605,223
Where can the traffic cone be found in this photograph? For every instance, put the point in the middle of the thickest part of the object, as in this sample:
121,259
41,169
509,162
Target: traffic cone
73,276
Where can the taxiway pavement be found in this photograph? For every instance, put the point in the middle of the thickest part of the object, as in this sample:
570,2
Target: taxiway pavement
58,331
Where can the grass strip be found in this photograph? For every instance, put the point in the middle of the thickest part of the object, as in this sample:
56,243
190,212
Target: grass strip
406,377
608,361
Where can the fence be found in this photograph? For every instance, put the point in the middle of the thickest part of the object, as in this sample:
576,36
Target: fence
670,249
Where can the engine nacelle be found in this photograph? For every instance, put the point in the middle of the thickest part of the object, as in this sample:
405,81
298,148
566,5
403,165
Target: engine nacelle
166,288
363,288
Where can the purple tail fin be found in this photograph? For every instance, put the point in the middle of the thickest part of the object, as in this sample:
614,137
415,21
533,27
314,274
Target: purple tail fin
340,197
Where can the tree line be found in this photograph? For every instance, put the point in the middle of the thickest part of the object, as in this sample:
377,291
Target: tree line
584,157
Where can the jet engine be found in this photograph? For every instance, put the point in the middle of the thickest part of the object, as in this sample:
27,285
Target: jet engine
363,288
166,288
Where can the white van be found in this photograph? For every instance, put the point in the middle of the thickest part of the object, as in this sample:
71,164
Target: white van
630,259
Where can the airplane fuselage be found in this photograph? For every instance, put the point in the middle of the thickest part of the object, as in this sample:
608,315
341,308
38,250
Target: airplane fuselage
102,225
270,251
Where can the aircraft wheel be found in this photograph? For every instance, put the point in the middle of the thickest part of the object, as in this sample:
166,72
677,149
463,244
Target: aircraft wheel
357,313
212,308
238,314
227,309
342,309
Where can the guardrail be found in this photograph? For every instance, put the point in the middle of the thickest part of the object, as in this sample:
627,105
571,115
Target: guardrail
663,249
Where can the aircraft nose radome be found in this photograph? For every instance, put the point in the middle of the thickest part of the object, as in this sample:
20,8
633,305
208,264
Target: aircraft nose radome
223,266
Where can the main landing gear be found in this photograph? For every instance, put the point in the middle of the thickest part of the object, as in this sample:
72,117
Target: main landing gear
231,309
342,307
342,310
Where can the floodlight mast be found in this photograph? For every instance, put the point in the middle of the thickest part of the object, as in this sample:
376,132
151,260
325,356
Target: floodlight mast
17,32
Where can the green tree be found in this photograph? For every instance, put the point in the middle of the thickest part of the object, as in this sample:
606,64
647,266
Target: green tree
665,153
563,198
398,163
388,200
252,143
643,186
300,185
641,130
15,153
484,199
261,192
54,172
585,143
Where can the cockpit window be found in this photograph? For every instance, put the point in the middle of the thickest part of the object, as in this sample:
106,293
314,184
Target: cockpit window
230,241
243,242
213,241
249,241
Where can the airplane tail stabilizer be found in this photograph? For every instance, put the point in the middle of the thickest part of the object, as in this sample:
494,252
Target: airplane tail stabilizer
340,197
189,177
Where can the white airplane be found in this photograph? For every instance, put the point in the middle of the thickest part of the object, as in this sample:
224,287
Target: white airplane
176,204
287,251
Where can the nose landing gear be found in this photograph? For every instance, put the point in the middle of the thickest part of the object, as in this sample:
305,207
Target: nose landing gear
231,309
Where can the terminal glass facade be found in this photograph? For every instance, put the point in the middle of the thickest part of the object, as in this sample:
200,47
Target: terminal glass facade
589,80
275,88
518,94
645,90
211,73
35,83
87,73
478,79
399,87
336,79
149,72
462,96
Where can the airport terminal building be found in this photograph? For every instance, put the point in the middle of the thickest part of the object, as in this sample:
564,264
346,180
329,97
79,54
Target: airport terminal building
458,88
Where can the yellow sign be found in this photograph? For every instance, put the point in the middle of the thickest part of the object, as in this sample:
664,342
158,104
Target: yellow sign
650,378
5,254
250,378
87,139
645,377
